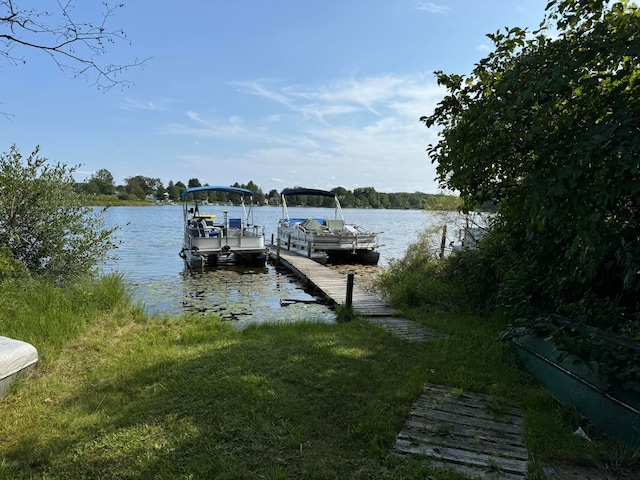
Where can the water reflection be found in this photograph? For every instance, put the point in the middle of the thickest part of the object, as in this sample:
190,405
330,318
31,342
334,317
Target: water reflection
242,295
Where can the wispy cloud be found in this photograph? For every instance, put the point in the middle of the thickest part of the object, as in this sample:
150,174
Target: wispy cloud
161,105
431,7
367,129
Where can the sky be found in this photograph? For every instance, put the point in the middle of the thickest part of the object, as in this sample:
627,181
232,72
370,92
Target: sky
283,93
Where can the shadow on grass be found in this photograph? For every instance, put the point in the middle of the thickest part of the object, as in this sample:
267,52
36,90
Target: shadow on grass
305,401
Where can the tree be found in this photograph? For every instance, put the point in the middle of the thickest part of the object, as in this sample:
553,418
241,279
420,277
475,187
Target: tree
181,188
548,129
274,197
73,43
258,194
101,183
173,191
140,186
42,220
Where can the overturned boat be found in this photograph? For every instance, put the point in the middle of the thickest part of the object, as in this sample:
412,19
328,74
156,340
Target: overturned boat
209,239
328,239
17,359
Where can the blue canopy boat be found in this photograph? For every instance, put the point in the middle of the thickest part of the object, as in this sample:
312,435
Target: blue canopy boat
208,239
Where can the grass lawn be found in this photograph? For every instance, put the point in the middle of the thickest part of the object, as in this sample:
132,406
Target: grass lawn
137,397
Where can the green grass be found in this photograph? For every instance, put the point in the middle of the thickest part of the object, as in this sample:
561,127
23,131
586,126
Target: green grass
195,398
41,313
113,201
121,395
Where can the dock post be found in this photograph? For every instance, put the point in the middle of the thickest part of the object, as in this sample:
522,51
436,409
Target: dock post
350,276
309,250
278,251
443,241
272,243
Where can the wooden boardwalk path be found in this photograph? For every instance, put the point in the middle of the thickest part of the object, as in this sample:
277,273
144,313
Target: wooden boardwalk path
333,285
466,432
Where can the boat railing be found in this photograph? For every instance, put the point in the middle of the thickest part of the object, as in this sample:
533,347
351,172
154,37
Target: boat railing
221,232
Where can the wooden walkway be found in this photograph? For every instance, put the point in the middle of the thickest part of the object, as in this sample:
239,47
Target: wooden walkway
333,285
465,432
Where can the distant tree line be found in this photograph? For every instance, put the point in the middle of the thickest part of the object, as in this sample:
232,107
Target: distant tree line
140,188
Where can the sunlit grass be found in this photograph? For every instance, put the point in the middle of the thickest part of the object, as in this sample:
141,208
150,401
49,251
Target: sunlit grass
128,396
196,397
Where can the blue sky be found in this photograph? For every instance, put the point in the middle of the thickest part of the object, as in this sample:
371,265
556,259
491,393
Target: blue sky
279,92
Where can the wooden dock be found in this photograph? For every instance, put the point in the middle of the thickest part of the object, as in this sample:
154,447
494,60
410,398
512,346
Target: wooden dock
333,285
466,432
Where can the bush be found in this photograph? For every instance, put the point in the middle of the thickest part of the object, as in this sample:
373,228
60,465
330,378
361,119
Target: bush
43,221
462,282
10,268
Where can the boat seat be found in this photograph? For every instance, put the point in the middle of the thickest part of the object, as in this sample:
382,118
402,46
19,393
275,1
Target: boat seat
205,230
200,224
235,223
312,225
335,224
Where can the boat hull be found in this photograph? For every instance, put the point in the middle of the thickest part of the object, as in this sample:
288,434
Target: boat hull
616,411
17,359
331,248
198,260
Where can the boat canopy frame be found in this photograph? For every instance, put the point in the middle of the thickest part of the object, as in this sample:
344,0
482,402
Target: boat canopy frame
247,216
288,192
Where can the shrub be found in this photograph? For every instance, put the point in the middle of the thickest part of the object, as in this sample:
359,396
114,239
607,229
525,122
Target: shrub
43,221
464,281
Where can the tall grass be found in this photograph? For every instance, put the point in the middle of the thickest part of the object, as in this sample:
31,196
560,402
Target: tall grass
464,282
47,315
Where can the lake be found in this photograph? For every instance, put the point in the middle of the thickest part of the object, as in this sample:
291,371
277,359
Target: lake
150,239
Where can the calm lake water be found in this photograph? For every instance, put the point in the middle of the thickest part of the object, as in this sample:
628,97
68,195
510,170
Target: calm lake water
150,239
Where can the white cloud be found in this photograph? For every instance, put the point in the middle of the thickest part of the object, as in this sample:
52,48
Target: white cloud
431,7
160,105
363,131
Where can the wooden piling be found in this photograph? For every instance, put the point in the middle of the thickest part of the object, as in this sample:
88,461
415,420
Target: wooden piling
349,300
443,242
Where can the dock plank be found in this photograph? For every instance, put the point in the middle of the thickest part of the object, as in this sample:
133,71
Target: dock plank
333,285
464,433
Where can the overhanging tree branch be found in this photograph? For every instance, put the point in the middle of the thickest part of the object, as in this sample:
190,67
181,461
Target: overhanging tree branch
74,45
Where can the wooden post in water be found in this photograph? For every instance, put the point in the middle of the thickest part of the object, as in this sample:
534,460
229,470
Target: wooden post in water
350,276
278,251
308,249
443,242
